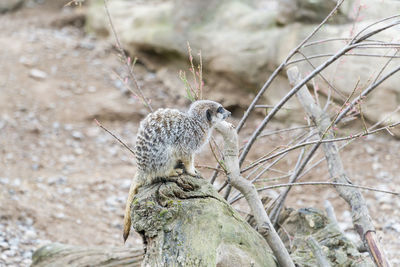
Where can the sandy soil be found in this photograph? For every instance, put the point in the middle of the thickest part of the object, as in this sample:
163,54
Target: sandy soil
63,179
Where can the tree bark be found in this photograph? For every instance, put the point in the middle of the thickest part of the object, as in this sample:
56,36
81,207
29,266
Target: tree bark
65,255
185,222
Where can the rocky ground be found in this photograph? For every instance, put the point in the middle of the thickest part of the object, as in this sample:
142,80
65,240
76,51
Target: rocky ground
63,179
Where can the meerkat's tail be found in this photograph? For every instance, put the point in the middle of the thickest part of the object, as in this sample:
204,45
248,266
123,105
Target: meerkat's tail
127,216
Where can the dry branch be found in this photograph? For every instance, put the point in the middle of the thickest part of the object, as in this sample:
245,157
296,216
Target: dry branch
127,61
318,253
269,82
355,43
264,226
360,214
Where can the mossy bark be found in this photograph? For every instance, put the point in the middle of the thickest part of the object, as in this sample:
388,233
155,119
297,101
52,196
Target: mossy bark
65,255
187,223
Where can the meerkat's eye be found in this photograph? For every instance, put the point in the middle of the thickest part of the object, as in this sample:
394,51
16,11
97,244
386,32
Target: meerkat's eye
208,114
220,110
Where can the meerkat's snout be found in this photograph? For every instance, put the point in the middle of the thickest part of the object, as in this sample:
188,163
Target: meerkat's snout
223,113
227,114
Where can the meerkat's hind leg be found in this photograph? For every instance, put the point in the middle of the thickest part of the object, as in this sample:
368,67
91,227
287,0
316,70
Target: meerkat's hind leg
188,162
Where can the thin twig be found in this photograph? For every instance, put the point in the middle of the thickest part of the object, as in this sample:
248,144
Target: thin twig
319,255
370,129
339,139
330,212
285,130
296,88
298,170
113,135
274,75
210,168
127,61
322,76
347,54
283,64
365,93
360,214
269,187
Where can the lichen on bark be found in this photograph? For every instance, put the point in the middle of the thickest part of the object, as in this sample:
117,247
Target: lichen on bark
187,223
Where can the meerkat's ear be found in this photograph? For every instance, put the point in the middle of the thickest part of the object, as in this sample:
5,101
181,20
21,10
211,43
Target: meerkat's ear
208,114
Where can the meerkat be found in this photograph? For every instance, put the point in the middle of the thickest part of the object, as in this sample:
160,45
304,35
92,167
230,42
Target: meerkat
167,138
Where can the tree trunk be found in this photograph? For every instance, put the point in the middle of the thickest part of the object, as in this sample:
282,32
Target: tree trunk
185,222
65,255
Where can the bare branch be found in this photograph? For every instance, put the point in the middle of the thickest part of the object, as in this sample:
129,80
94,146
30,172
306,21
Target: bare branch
264,226
373,24
323,78
339,139
298,170
319,255
365,93
272,78
285,130
294,90
330,212
269,187
361,219
127,61
113,135
347,54
282,65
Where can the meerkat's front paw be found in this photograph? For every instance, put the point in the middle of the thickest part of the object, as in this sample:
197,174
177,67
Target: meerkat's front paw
175,172
194,173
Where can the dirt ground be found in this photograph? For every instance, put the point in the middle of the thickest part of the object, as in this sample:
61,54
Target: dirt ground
63,179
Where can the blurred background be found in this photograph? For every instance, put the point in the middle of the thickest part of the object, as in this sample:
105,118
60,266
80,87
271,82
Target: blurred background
63,179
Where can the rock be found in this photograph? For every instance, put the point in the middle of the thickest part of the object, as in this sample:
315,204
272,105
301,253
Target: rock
241,45
2,124
393,226
30,234
57,180
59,215
69,17
37,74
125,184
28,62
4,180
16,182
295,226
10,5
4,245
77,135
307,11
27,255
91,89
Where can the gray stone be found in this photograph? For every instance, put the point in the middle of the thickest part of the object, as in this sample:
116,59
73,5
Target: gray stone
77,135
4,180
241,45
37,74
10,5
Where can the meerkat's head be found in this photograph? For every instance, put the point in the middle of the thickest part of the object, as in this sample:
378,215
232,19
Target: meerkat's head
208,111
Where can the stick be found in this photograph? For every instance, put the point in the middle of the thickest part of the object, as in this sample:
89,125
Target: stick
360,214
320,183
264,226
319,255
113,135
127,61
274,75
